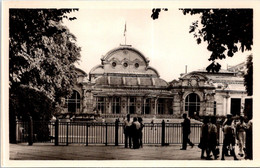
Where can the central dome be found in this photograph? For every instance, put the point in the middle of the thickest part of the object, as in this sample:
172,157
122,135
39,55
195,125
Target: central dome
124,60
126,54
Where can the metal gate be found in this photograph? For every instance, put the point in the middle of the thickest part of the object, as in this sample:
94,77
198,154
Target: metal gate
65,133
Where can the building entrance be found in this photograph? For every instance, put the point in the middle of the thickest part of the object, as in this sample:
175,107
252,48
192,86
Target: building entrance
192,104
235,106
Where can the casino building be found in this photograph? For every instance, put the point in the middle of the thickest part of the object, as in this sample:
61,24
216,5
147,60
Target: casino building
124,83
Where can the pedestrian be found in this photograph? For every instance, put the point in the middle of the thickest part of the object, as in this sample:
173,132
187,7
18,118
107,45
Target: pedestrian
186,132
229,139
203,145
135,133
249,140
213,139
127,131
241,136
228,117
140,120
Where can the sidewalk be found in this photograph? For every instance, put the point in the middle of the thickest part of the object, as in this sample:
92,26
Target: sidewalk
40,151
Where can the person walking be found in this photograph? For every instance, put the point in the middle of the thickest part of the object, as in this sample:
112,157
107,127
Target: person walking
229,139
241,136
186,132
127,131
203,145
135,133
213,138
140,120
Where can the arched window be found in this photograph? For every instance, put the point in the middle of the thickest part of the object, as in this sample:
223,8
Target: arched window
192,104
73,102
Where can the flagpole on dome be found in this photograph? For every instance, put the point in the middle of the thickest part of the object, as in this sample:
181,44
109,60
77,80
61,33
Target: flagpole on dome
125,33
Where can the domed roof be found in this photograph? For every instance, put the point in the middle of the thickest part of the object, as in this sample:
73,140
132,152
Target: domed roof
124,60
128,51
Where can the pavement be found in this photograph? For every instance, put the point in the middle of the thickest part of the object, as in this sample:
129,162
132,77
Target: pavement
43,151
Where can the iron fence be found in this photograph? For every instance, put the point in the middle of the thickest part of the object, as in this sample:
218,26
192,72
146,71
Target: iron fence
65,133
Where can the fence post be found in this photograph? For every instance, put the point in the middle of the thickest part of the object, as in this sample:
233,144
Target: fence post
18,132
67,135
30,131
86,134
116,132
57,132
163,133
106,135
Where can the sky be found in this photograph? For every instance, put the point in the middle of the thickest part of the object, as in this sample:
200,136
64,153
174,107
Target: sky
165,41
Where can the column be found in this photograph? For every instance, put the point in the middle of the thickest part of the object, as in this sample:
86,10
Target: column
108,105
153,106
124,105
144,103
156,106
224,106
242,105
138,105
228,102
176,105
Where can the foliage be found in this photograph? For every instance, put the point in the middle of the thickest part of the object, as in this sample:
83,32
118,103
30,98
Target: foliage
225,30
248,77
25,102
156,11
42,51
214,67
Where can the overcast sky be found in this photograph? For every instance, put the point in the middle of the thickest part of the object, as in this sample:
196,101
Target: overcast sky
165,41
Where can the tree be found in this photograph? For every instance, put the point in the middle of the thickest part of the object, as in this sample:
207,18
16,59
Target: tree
156,11
226,31
42,53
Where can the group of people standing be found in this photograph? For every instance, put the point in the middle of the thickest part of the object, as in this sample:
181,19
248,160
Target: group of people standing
209,140
209,137
133,132
240,131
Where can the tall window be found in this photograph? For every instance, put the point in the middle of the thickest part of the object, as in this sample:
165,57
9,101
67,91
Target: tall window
73,102
116,105
192,104
132,104
147,106
160,106
169,106
101,105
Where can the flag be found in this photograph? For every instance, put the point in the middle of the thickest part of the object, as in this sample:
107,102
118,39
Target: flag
125,30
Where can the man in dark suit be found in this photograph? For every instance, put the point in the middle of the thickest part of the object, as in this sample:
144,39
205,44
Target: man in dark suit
186,132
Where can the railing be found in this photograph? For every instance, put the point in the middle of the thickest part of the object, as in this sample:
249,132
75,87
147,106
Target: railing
65,133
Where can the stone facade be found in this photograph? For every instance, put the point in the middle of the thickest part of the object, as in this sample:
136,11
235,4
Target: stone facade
125,83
